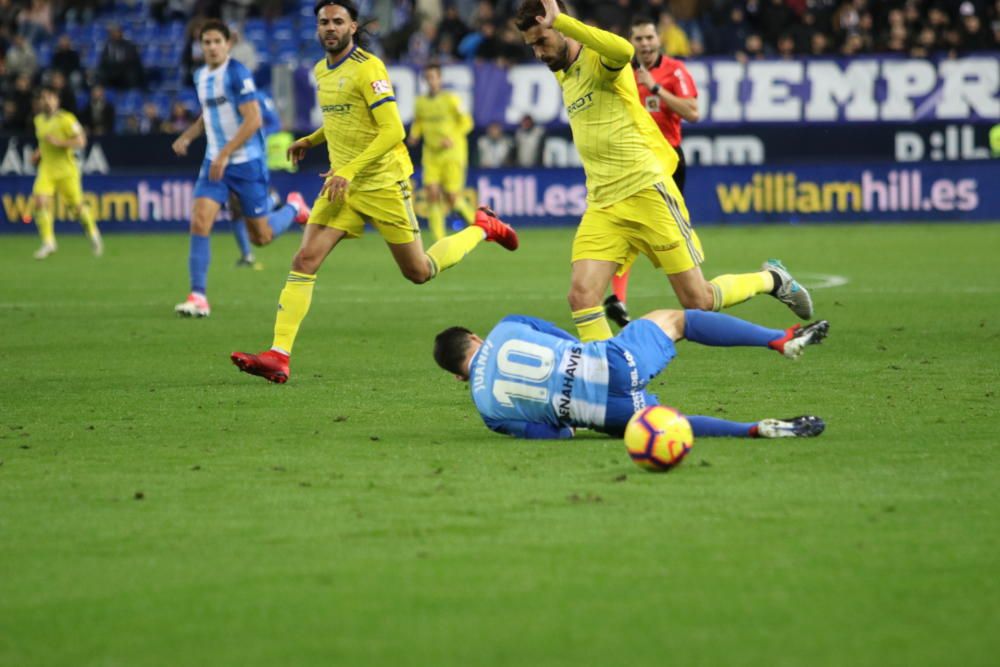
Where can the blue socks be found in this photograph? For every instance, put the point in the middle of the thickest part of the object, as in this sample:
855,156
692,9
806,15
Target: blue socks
710,427
242,238
198,259
720,330
281,219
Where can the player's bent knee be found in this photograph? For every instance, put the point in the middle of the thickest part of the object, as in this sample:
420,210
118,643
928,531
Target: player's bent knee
697,301
416,274
580,297
671,322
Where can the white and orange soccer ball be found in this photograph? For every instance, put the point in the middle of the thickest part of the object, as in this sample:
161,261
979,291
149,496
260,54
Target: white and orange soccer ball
658,438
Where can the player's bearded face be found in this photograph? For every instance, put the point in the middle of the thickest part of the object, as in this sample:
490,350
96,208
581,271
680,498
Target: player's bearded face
548,46
335,28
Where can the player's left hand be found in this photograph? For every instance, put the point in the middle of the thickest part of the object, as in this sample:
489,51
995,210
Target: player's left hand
446,143
551,12
335,187
645,78
218,167
54,140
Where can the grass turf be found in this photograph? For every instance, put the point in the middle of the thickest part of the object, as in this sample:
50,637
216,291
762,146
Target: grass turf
159,508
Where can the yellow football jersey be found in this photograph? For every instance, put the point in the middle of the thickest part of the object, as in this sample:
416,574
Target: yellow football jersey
348,90
57,162
439,117
620,146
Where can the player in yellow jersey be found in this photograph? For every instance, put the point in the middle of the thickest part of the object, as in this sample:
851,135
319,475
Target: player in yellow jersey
59,134
368,182
633,205
443,124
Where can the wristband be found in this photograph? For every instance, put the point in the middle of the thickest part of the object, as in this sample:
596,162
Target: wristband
655,89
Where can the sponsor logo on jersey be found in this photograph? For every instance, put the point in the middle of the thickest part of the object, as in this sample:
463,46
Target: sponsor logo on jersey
578,105
337,108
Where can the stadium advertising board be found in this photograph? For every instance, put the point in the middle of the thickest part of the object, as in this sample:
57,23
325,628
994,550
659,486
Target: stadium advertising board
926,191
868,89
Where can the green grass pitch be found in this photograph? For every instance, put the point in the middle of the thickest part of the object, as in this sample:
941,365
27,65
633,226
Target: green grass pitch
159,508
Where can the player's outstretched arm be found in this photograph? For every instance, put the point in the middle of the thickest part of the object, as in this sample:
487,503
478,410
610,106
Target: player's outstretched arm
297,151
390,133
541,325
531,430
197,128
615,51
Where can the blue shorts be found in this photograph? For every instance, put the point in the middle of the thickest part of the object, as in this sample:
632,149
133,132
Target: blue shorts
635,356
247,180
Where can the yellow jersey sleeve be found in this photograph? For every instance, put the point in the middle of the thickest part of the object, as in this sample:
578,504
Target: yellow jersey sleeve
621,148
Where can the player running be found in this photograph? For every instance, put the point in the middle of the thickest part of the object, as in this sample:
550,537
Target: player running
668,93
443,124
531,379
368,182
633,204
234,161
59,135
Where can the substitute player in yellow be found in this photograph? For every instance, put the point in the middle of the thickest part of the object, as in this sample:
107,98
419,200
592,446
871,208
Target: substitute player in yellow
633,205
443,124
368,182
59,134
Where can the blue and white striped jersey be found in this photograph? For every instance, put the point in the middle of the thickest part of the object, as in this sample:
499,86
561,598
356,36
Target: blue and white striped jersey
532,379
221,91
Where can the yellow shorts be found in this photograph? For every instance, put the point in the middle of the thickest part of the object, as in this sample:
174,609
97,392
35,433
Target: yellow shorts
389,210
69,187
449,174
653,222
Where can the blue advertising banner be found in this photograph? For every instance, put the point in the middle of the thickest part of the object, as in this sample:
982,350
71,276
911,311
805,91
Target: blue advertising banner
926,191
813,90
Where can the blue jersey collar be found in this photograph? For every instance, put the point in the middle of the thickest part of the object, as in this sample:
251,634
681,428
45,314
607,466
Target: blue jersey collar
341,61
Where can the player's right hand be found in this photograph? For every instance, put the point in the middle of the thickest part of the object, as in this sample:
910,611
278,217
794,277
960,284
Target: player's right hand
180,146
551,12
297,151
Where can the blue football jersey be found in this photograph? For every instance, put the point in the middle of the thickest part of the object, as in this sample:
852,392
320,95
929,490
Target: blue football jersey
532,379
221,91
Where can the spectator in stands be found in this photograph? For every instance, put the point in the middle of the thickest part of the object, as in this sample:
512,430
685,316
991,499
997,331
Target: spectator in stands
36,20
420,48
150,121
494,147
192,57
730,37
9,11
772,19
21,58
675,41
512,47
452,28
243,50
180,118
80,12
819,45
67,96
528,142
753,49
67,60
786,46
972,35
19,107
120,65
98,116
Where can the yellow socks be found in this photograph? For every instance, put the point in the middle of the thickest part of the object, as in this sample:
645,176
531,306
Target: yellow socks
46,227
435,220
450,250
292,308
732,288
87,220
591,324
465,209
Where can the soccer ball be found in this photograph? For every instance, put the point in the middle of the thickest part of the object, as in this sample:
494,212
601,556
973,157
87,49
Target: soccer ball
658,438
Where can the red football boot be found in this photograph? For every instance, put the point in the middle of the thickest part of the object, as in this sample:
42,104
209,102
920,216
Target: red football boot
496,229
302,210
270,365
797,337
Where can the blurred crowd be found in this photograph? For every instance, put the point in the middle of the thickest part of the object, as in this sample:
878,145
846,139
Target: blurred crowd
138,54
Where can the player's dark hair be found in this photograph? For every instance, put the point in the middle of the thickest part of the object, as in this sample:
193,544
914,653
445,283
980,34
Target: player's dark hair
351,8
432,65
529,11
450,348
217,26
49,88
643,19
